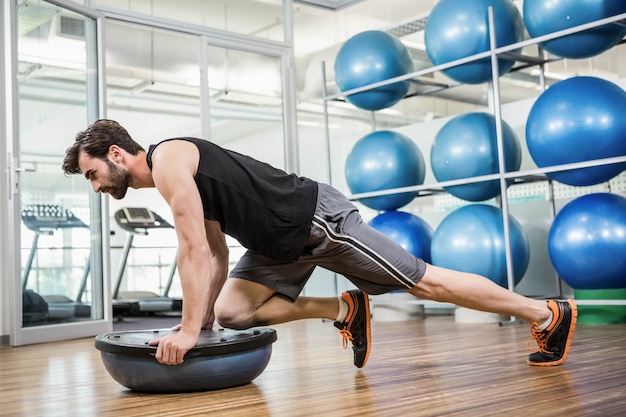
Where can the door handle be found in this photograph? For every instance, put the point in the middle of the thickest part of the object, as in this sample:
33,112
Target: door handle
12,179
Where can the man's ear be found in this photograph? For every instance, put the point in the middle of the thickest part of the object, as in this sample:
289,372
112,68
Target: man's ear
115,153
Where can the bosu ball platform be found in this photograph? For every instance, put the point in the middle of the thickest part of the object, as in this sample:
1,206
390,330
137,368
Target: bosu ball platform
221,359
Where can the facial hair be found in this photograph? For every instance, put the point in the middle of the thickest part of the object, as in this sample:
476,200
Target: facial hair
119,178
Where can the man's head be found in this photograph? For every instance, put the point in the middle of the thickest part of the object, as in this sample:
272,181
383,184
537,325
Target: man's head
97,153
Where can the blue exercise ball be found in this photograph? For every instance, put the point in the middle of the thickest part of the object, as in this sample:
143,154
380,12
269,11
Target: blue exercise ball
471,239
457,29
542,17
383,160
587,242
575,120
466,146
407,230
370,57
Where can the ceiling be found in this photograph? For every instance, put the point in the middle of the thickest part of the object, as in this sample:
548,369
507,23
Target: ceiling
320,28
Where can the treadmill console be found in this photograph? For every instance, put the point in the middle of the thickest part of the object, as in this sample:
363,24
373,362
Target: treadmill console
138,215
139,219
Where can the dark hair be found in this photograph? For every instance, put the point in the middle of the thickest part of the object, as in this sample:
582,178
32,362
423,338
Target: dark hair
96,140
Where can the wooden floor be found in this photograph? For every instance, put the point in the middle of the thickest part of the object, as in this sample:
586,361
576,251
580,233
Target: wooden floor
431,367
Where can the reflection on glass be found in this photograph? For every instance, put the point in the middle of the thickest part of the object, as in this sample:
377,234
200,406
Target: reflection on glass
153,81
246,103
59,281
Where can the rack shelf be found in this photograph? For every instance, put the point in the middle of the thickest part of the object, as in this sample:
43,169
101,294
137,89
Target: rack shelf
507,50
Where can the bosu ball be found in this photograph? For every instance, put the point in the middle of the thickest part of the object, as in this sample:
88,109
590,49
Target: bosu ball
221,359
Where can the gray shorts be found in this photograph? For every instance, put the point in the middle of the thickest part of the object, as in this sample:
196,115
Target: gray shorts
342,242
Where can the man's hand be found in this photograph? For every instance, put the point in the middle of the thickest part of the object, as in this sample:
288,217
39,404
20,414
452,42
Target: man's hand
208,323
172,348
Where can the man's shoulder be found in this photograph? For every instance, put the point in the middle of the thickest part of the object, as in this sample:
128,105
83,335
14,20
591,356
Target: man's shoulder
174,151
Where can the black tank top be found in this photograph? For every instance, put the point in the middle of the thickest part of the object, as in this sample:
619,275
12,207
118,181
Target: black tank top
267,210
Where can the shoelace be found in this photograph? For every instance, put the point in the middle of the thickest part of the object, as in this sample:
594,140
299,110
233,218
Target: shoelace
346,336
539,337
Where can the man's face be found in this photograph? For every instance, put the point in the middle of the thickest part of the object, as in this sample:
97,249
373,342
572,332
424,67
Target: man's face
105,176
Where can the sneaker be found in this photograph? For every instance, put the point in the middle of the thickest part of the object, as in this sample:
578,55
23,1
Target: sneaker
554,342
356,326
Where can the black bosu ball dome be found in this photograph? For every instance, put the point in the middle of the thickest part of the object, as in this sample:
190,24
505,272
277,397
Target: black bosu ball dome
221,359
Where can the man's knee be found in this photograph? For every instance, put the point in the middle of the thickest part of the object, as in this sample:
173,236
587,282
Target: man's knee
431,286
237,306
233,315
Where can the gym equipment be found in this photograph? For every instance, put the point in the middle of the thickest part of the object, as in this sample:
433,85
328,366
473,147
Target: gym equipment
587,242
407,230
383,160
471,239
370,57
34,308
221,359
575,120
542,17
466,146
457,29
45,219
138,221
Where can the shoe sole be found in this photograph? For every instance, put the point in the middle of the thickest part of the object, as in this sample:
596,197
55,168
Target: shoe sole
568,344
368,333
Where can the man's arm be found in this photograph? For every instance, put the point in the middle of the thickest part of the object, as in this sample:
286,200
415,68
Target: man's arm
219,266
202,250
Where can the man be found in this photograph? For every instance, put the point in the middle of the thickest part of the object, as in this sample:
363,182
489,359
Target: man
289,225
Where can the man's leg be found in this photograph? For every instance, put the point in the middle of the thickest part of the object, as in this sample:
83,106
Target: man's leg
243,304
478,293
552,323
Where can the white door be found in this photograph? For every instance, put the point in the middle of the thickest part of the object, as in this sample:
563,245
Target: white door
59,251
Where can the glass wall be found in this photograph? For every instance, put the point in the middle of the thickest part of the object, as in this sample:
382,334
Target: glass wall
154,89
260,18
209,71
245,96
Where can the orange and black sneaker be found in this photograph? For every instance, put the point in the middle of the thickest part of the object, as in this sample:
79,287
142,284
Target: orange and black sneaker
356,326
554,342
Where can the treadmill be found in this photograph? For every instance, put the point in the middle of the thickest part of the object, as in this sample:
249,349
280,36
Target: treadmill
45,219
139,221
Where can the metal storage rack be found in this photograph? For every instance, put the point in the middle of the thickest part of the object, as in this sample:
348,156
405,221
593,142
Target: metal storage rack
538,174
